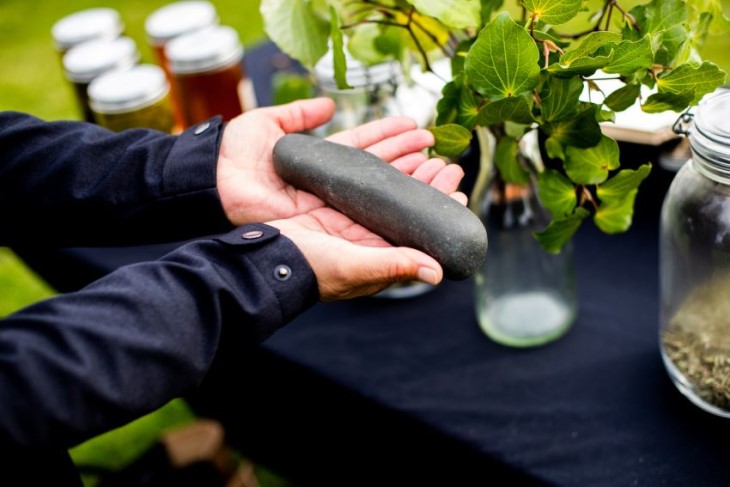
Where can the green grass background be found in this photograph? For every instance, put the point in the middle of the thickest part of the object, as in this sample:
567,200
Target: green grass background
31,80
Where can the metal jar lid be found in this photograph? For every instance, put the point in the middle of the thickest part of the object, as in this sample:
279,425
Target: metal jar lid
358,74
90,59
205,50
709,135
179,18
128,90
86,25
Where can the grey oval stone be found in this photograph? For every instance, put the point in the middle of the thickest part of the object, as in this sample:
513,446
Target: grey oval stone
396,206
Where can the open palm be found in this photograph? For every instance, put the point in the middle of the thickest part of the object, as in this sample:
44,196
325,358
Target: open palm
251,191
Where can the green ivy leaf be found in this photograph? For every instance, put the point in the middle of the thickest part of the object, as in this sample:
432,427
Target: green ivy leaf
389,42
615,216
559,232
591,166
451,140
448,105
467,112
661,15
556,193
458,14
554,148
661,102
586,66
515,109
625,181
719,23
459,57
457,105
554,11
493,68
338,51
630,57
701,79
296,29
489,7
580,131
669,45
560,98
288,87
589,45
505,157
361,44
624,97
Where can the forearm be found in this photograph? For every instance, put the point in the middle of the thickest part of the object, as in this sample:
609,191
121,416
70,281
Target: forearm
80,364
72,183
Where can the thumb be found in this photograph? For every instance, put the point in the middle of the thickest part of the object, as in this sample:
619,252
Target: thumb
376,269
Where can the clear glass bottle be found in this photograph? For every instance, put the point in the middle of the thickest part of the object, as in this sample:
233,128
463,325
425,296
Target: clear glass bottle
372,96
524,296
89,60
134,98
695,262
208,71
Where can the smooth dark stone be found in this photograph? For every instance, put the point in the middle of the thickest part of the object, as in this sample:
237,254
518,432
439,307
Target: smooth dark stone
392,204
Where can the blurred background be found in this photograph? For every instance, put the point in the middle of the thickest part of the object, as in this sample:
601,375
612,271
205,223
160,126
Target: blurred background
32,81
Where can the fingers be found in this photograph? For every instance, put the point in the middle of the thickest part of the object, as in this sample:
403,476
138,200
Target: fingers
444,177
460,197
409,162
402,144
370,133
448,179
302,114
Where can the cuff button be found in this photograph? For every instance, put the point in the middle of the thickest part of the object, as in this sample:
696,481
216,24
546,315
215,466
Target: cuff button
201,128
252,234
282,273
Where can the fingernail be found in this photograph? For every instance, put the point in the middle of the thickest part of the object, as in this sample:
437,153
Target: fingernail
428,275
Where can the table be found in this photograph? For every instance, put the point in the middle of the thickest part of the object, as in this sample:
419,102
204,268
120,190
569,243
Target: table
407,392
411,392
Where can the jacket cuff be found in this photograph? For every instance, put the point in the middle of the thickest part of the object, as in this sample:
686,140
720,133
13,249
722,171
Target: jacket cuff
288,276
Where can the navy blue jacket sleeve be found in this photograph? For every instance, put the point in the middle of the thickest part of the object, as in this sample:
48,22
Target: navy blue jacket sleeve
82,363
77,184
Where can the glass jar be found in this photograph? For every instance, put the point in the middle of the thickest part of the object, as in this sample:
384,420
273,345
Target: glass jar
89,60
171,21
524,296
134,98
86,25
208,71
695,262
372,96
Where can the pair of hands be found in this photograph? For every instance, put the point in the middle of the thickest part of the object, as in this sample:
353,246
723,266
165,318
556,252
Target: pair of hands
347,259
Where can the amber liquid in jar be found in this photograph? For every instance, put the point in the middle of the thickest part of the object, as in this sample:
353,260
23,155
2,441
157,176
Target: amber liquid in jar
177,107
210,94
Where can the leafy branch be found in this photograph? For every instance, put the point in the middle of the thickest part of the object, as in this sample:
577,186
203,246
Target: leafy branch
509,76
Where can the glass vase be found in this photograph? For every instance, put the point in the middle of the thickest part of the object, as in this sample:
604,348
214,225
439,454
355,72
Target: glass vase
524,296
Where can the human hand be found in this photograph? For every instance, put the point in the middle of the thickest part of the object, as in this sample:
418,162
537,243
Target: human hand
249,188
350,260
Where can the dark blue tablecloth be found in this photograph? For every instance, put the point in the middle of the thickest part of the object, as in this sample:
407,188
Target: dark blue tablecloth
406,392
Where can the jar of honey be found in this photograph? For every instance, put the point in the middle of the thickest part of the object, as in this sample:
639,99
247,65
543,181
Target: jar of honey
169,22
208,71
86,25
91,59
134,98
